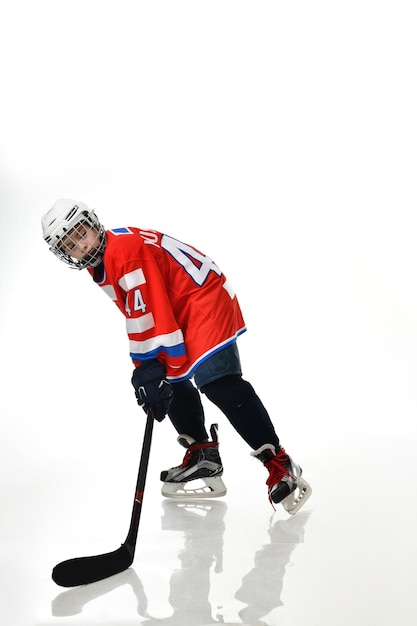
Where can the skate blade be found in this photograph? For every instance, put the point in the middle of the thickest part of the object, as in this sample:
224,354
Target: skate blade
298,497
212,488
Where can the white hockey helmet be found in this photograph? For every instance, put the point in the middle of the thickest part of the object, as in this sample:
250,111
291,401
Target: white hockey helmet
63,217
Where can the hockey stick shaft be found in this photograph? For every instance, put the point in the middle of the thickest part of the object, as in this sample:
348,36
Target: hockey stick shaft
88,569
132,535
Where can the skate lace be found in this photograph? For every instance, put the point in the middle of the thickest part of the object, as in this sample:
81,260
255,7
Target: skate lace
193,448
277,469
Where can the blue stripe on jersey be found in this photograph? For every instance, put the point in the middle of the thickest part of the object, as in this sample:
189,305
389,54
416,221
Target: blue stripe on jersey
121,231
173,351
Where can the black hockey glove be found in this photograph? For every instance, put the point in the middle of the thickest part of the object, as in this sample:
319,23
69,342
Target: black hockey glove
152,389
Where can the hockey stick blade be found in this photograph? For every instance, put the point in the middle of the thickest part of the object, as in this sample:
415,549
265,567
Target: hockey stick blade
90,569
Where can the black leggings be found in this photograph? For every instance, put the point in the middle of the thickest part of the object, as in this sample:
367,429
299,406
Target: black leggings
235,397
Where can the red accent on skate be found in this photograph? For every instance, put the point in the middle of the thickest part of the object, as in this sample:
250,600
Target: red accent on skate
277,470
193,448
139,496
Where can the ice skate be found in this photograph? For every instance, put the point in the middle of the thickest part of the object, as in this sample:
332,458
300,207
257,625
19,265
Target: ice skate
201,466
285,482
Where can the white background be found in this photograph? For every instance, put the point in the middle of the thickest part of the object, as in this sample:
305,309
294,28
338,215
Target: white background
279,137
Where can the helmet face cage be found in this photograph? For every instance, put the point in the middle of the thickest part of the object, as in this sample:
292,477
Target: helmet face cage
75,236
65,227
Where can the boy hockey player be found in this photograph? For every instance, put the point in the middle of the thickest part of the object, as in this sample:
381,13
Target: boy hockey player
182,320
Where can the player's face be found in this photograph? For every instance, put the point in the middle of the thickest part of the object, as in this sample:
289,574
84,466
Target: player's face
80,241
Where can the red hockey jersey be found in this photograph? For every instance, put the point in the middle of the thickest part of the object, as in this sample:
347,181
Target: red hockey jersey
178,305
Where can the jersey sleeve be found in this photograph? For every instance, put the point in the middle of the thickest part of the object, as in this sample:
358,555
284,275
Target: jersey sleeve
134,282
151,326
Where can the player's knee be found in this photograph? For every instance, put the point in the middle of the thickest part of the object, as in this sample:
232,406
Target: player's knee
229,390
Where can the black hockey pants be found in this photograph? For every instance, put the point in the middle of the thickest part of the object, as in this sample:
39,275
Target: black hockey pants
235,397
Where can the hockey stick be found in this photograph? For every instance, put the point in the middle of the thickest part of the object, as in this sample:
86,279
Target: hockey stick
89,569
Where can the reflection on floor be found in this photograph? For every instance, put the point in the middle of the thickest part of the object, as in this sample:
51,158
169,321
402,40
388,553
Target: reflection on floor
348,557
262,587
202,526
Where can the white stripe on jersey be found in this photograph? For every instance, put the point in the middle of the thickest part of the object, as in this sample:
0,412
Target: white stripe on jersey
170,340
132,279
109,290
140,324
228,287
